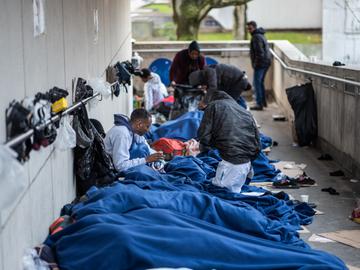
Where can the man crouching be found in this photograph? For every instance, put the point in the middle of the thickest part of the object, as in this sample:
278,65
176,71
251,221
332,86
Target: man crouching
231,129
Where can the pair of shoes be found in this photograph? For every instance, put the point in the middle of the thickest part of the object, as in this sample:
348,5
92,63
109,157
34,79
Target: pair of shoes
286,183
331,191
305,181
256,108
325,157
337,173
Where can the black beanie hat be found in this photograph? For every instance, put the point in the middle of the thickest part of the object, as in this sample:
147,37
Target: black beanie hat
194,46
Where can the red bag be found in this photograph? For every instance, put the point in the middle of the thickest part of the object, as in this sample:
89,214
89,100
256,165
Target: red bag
170,147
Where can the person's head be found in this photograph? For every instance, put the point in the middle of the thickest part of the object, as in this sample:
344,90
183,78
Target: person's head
145,75
194,50
251,26
140,121
198,78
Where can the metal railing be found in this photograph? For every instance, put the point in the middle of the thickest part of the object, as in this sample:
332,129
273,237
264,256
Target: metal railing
312,73
175,50
22,137
283,64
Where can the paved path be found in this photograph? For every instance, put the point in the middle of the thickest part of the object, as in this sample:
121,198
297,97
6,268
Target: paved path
337,209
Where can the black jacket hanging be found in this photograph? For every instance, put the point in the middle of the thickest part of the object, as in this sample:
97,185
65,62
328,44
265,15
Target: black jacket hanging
93,166
303,102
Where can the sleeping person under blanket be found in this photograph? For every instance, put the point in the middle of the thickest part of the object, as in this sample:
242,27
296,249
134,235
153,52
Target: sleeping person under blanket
126,144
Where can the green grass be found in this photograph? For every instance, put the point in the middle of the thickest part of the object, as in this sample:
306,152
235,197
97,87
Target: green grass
215,36
162,8
293,37
296,37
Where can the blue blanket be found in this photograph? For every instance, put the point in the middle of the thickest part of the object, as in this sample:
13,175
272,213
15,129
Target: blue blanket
179,219
194,174
128,227
183,128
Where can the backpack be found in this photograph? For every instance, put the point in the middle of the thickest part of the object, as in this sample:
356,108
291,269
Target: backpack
170,147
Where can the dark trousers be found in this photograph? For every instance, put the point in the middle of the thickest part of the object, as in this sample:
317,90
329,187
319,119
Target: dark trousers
259,78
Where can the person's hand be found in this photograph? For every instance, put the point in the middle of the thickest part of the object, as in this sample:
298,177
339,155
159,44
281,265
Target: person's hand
202,105
154,157
172,83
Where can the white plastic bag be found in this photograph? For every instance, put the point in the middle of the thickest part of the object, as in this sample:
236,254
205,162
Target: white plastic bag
12,177
101,86
66,136
31,261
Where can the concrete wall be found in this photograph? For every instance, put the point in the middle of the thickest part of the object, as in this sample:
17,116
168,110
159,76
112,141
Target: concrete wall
277,14
31,64
341,39
337,104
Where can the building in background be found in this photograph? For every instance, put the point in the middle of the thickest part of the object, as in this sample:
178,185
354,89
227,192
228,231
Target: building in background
277,14
341,36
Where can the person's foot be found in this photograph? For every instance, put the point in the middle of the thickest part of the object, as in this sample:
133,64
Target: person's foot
256,108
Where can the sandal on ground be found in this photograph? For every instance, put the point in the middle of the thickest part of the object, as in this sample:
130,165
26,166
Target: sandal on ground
286,183
331,191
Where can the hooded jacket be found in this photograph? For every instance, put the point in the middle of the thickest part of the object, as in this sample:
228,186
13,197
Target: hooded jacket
154,91
229,128
118,142
259,49
183,65
227,78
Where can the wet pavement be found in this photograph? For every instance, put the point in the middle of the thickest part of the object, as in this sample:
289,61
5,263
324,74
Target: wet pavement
336,208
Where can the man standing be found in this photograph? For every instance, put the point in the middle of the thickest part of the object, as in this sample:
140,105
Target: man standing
154,90
185,62
260,60
126,144
231,129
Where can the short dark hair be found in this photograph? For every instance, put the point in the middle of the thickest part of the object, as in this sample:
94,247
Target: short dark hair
139,114
252,23
145,72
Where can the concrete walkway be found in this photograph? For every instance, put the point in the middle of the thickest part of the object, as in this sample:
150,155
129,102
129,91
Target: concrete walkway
337,209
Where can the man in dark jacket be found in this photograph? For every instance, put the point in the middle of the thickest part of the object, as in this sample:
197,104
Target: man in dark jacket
185,62
231,129
227,78
260,60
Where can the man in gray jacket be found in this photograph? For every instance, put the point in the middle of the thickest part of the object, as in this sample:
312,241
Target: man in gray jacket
125,141
232,130
227,78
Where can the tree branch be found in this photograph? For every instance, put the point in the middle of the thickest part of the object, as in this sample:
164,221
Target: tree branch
226,3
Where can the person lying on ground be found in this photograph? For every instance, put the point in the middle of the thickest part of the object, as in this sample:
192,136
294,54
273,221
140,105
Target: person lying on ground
125,141
232,130
227,78
185,62
154,90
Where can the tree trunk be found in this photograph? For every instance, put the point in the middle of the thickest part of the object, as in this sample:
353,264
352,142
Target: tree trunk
187,29
239,29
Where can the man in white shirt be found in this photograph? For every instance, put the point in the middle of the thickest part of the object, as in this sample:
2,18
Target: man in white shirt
126,144
154,89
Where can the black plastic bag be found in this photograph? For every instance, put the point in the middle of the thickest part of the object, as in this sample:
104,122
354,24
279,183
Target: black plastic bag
303,102
93,166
